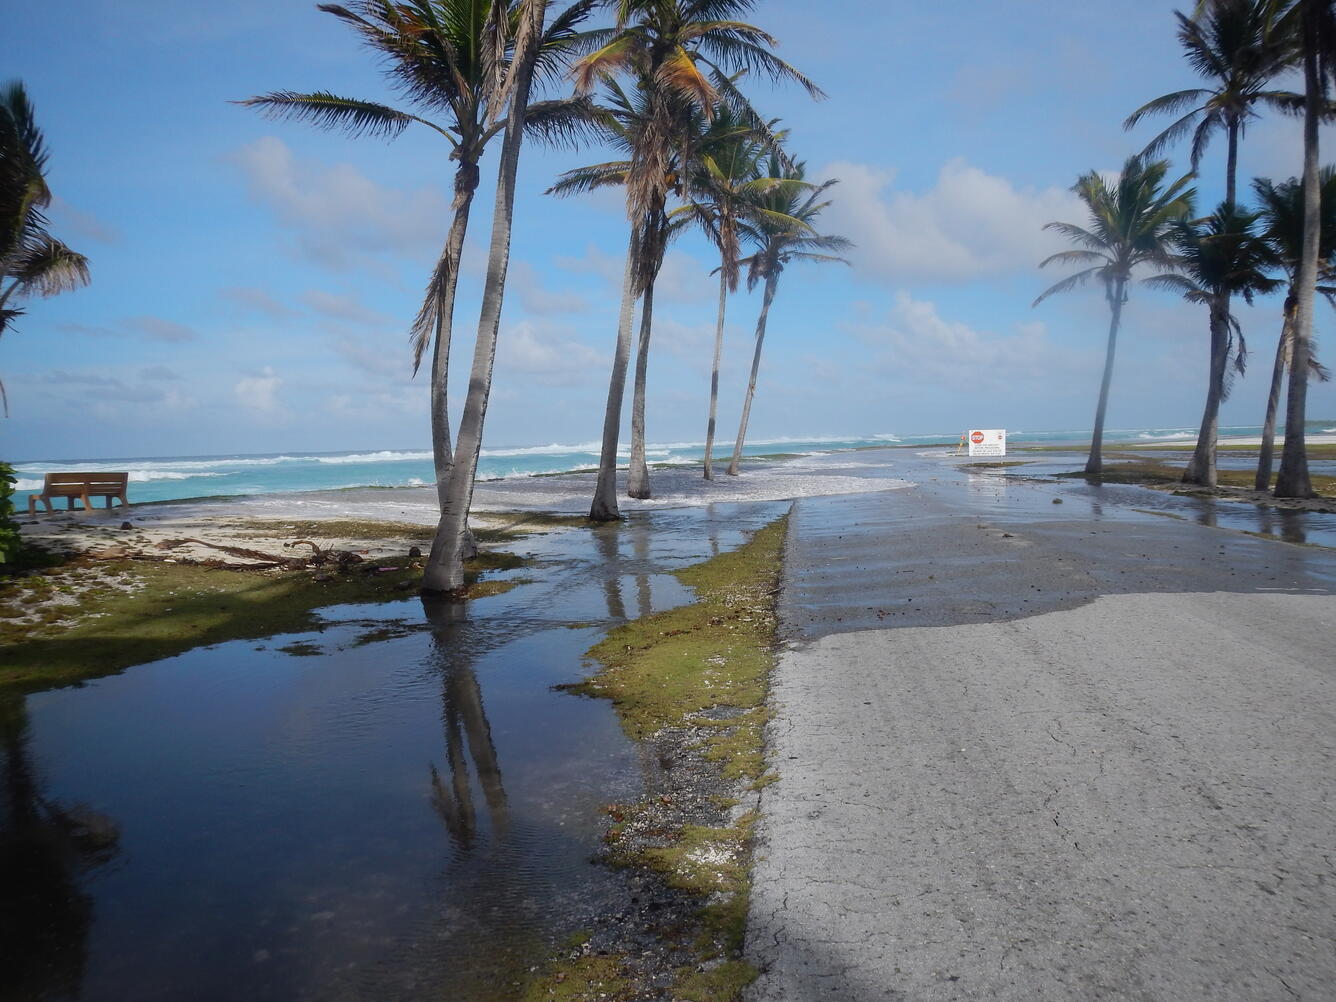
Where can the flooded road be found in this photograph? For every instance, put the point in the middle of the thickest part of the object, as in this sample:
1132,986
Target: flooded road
400,806
396,806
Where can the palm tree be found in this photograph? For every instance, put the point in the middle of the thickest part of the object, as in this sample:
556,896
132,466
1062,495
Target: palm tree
444,571
1239,47
1282,215
32,261
444,57
1130,223
679,54
1312,23
1217,258
727,187
625,120
782,232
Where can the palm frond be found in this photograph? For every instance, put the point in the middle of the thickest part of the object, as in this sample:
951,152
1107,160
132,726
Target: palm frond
1067,284
570,122
324,110
49,267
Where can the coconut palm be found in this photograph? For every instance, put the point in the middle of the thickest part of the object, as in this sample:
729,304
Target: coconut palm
1130,223
625,119
1217,258
1282,216
679,54
448,58
782,232
32,262
1238,46
1312,23
444,571
727,186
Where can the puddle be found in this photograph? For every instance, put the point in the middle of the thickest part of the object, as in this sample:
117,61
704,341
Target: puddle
310,817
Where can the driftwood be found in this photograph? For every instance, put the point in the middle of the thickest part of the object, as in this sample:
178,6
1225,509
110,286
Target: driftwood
259,560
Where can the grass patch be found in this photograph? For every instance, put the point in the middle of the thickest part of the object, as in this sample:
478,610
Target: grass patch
718,984
336,528
1156,471
704,861
584,979
157,610
664,669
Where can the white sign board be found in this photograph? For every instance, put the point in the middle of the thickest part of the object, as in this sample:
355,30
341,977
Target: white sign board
987,442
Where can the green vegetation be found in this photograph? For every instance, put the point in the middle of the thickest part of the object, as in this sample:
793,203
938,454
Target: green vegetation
585,979
10,541
132,612
664,669
1156,471
719,984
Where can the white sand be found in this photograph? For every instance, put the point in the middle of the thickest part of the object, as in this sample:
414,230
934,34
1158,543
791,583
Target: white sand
229,523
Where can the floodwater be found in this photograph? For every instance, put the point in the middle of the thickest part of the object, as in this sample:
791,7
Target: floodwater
400,806
396,806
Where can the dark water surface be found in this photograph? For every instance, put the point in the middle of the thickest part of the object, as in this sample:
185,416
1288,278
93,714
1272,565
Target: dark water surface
373,813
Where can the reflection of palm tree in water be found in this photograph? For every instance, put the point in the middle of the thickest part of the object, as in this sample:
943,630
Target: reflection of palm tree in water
606,538
44,918
465,721
640,545
1288,525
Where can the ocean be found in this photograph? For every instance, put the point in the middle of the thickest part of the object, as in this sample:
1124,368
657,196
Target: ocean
179,478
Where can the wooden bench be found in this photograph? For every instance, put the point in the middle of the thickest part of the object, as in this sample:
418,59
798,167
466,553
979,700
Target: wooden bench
84,486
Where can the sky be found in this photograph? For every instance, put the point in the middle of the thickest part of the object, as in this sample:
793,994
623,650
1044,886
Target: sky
253,280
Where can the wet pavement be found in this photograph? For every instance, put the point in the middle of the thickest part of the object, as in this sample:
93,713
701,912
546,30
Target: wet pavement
1039,750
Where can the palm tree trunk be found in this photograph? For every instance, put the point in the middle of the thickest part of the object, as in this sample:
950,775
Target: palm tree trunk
445,566
447,279
714,372
1095,462
770,282
637,475
604,506
1286,344
1292,479
1201,468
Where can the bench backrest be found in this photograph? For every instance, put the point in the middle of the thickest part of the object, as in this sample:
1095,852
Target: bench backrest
76,483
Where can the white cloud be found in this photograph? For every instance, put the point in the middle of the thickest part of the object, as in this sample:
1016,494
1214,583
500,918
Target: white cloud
338,213
594,261
538,300
918,345
256,300
547,356
158,329
347,308
259,391
684,279
68,219
970,224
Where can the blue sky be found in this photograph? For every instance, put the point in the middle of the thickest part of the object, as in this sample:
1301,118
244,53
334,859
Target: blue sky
253,280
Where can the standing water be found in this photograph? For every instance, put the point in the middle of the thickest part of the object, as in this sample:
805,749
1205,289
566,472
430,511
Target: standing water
397,806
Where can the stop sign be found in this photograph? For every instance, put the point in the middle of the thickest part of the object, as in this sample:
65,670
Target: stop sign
977,438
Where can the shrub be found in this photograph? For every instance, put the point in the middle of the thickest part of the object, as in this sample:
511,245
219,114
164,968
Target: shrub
10,540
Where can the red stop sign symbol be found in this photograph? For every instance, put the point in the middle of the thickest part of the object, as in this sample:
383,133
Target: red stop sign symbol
977,438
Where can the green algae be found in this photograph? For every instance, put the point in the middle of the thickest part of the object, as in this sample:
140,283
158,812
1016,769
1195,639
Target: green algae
159,609
665,669
584,979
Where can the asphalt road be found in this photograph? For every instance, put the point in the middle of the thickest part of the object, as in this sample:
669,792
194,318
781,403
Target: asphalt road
1031,751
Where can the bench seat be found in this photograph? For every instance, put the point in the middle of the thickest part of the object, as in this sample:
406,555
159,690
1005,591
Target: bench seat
82,487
